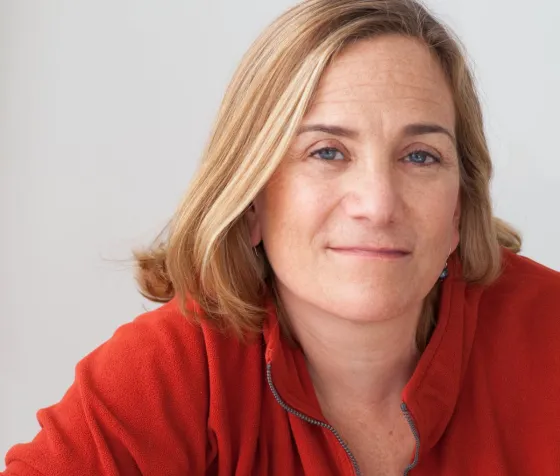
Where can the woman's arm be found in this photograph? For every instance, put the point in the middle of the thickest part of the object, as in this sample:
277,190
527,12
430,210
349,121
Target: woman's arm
138,405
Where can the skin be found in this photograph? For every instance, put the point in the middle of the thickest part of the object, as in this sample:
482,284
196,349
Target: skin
357,228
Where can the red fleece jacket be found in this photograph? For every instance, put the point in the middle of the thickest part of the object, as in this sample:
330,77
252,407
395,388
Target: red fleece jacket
166,397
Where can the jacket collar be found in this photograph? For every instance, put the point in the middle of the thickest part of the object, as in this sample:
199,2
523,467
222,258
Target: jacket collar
432,392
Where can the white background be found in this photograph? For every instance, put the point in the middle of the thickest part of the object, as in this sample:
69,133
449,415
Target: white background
104,109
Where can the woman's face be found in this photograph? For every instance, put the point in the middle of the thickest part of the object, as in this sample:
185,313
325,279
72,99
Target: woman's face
360,217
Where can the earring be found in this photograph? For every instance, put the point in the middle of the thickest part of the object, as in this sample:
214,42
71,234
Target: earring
444,273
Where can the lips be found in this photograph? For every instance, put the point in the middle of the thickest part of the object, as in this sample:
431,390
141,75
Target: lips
380,252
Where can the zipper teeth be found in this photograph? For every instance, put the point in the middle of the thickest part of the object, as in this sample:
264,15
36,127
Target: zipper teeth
301,416
416,435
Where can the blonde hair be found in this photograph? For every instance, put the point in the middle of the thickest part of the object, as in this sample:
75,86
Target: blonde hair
206,254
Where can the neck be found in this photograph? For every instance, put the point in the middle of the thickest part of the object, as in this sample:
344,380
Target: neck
367,363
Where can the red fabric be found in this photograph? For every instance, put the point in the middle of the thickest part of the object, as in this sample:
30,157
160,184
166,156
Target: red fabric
165,397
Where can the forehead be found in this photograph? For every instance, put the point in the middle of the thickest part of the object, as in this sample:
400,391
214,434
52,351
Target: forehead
387,74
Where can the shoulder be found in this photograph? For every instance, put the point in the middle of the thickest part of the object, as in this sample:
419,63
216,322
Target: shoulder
159,353
523,269
165,339
154,337
167,349
513,372
524,287
519,315
515,360
146,393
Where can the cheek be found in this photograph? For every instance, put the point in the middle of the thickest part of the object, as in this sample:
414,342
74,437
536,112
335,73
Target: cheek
293,211
433,208
291,204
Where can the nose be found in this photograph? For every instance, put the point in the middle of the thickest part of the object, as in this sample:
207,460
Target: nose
373,194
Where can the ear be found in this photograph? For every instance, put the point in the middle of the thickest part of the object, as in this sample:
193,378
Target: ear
456,237
254,225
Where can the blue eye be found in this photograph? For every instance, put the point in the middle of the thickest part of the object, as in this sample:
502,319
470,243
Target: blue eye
328,154
421,157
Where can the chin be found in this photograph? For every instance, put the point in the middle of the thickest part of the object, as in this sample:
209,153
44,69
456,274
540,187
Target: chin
367,307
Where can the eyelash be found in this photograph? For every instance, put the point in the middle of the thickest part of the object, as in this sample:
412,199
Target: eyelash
436,159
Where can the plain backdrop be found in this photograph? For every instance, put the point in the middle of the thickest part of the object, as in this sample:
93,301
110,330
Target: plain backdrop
105,107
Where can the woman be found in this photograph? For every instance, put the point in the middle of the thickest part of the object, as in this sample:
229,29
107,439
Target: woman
341,299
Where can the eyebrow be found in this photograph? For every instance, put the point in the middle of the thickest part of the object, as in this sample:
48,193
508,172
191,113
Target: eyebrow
415,129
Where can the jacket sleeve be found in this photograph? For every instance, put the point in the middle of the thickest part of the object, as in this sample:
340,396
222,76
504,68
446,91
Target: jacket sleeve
138,405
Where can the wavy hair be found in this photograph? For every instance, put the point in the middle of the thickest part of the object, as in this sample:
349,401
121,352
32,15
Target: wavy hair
205,253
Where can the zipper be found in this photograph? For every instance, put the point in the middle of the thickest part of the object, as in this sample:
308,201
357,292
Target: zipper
342,443
416,435
303,417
